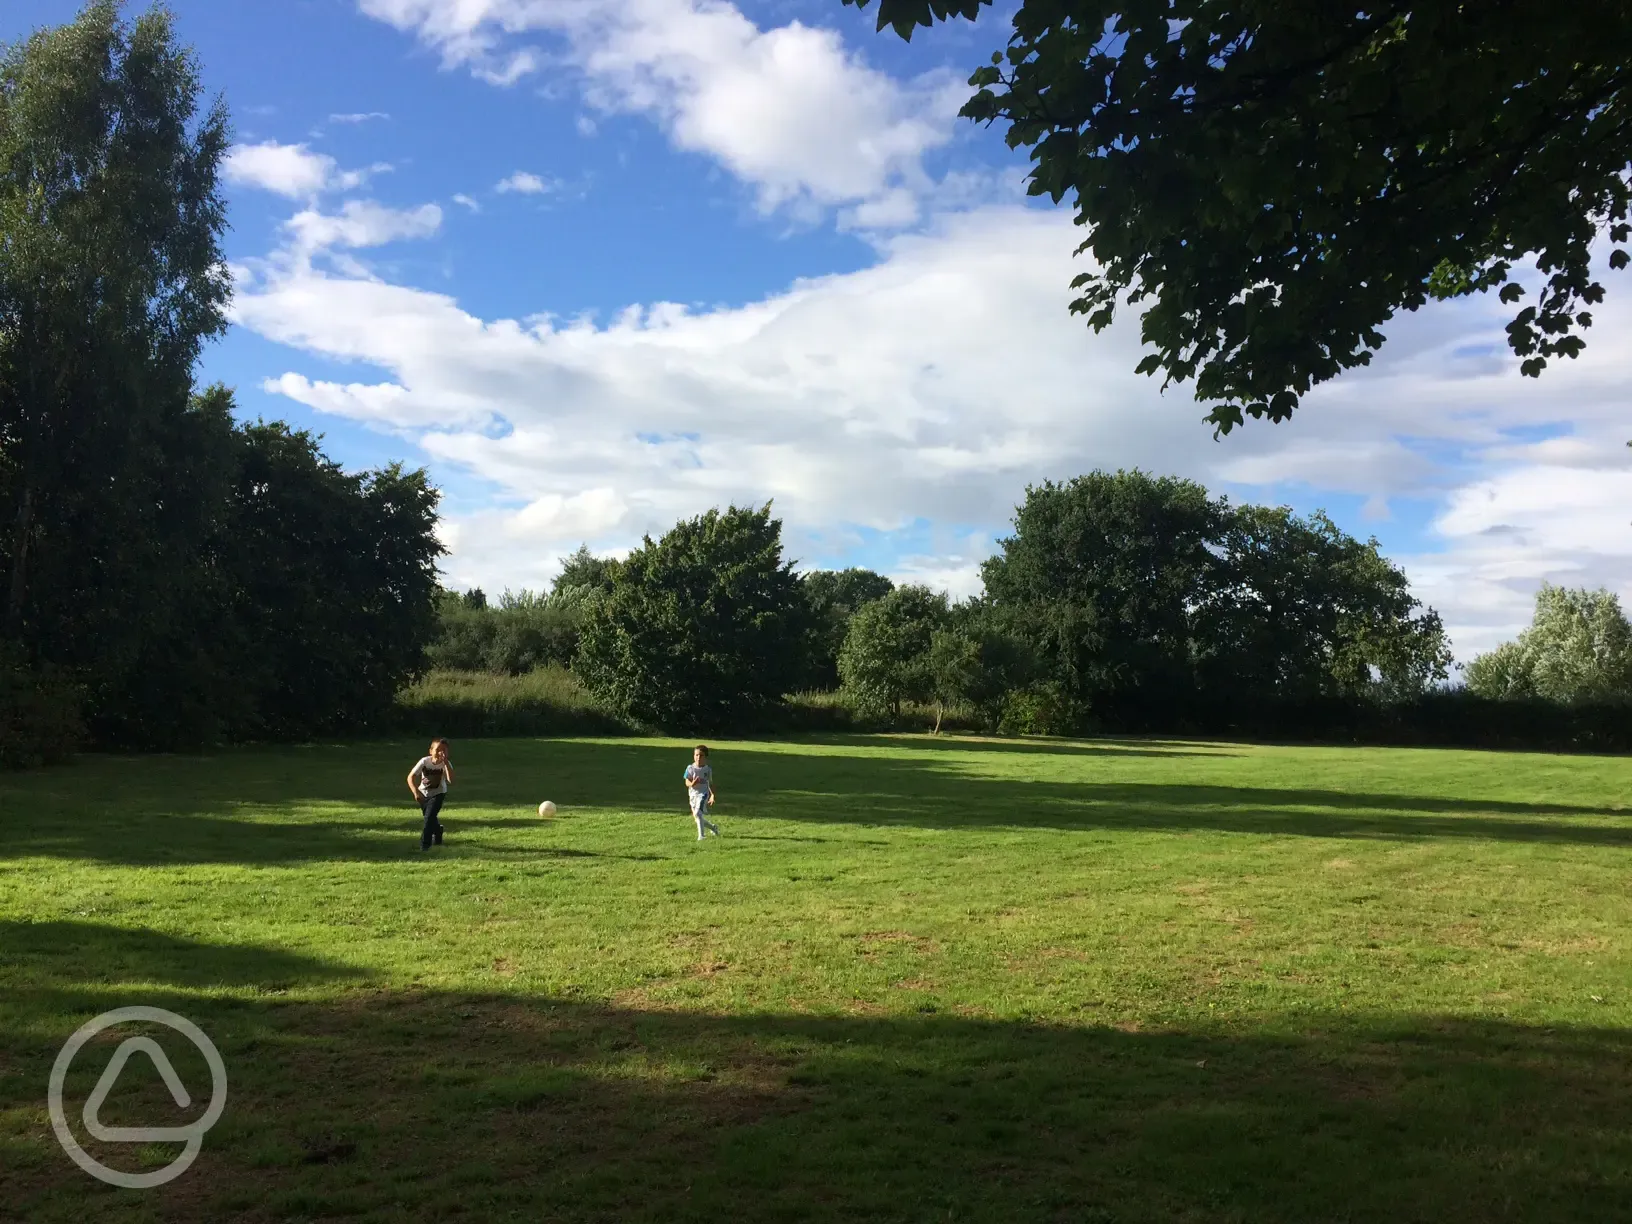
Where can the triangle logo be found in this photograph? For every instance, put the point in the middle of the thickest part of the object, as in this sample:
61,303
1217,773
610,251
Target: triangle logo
99,1096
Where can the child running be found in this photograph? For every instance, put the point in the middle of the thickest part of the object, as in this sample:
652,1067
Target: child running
428,783
700,790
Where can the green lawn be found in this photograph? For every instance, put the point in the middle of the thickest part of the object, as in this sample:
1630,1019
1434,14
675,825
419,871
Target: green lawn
920,979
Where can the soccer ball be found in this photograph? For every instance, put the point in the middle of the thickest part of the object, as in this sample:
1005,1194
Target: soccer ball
546,809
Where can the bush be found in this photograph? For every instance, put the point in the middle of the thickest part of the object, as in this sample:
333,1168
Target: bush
1041,709
40,720
1440,718
837,710
548,701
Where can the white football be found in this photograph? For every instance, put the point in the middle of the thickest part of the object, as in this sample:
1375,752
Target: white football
546,809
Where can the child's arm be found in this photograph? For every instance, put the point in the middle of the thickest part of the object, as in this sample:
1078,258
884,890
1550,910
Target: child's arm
447,771
412,775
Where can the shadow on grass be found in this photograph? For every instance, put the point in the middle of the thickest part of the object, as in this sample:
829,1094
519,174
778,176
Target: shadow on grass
68,956
158,839
1139,748
345,802
388,1105
1158,807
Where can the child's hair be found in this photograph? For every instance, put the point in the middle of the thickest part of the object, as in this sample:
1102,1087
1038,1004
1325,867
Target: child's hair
702,748
438,741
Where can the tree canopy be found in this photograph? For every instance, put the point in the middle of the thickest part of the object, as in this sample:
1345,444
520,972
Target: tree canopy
701,629
523,631
885,657
1104,573
1298,608
1578,648
1140,594
1273,181
834,597
111,280
584,571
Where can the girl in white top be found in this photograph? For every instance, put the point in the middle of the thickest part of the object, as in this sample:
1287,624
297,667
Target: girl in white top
428,783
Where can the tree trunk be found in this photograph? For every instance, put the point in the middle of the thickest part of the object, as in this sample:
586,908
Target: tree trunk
939,709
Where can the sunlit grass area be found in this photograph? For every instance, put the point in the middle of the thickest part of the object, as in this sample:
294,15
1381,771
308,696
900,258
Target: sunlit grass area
916,978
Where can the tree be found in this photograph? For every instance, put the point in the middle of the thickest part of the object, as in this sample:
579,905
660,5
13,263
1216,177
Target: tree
1139,595
975,661
885,657
334,583
702,629
524,631
464,633
953,667
1578,648
1297,608
111,279
1102,577
834,597
1277,180
585,571
1502,674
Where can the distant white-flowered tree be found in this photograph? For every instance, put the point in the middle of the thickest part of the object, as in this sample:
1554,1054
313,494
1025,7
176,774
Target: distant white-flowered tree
1578,648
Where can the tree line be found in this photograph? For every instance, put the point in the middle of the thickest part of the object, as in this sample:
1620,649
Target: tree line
1120,600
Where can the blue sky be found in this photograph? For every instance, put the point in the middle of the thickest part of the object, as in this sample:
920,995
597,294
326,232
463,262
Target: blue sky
599,264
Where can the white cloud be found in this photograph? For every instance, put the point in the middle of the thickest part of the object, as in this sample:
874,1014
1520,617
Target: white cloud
350,180
358,117
360,223
1533,523
463,199
790,111
292,170
289,170
523,183
959,577
932,388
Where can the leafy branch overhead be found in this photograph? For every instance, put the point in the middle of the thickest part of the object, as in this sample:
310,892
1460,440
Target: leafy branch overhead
1272,181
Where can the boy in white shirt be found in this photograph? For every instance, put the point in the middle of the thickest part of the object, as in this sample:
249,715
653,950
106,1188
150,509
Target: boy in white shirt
700,790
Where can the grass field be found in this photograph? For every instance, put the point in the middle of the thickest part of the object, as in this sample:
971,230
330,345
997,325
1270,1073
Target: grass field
917,979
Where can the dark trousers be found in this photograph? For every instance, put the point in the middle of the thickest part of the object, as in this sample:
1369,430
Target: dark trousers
431,805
